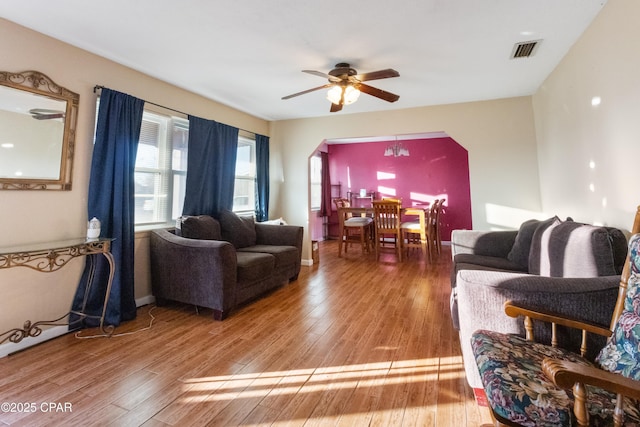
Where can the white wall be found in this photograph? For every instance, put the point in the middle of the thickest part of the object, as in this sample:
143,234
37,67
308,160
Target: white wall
499,136
572,133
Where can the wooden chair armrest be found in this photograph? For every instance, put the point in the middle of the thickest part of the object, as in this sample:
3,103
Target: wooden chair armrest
565,374
513,310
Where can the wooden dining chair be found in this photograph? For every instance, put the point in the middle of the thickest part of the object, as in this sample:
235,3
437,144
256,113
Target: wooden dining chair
352,229
414,232
435,235
341,202
534,384
386,219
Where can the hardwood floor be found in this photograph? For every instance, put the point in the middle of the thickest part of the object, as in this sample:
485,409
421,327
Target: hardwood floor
353,342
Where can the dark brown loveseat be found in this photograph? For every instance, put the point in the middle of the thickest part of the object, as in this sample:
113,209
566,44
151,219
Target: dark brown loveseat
222,263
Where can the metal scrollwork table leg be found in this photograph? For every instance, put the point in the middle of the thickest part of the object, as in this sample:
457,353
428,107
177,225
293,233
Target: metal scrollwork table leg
48,260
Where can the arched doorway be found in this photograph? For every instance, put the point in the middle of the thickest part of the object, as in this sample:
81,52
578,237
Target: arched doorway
428,166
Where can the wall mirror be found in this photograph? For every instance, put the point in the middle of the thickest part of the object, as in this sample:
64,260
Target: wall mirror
37,132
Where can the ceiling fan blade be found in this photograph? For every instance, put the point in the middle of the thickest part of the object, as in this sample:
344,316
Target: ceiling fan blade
378,93
335,108
377,75
44,111
47,116
44,114
307,91
321,74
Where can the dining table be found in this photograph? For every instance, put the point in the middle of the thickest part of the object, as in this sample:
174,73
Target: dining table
368,211
420,211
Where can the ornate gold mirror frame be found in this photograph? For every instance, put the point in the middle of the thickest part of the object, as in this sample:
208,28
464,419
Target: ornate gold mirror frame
37,132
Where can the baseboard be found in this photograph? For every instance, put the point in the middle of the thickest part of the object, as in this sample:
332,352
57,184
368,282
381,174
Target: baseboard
309,262
54,332
149,299
47,334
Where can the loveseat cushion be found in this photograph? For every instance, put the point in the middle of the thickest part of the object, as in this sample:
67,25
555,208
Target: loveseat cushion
284,255
239,230
571,249
254,266
484,262
201,227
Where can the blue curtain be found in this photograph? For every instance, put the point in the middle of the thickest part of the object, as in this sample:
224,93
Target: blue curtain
111,200
211,167
262,181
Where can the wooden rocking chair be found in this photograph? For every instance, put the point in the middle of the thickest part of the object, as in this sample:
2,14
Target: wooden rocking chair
533,384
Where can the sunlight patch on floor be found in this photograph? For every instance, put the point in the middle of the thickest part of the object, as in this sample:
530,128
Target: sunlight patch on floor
228,387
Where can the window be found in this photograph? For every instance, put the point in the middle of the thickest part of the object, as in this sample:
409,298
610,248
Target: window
161,168
316,182
244,192
161,171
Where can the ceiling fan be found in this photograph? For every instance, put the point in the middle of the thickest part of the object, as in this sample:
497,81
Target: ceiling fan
346,85
44,114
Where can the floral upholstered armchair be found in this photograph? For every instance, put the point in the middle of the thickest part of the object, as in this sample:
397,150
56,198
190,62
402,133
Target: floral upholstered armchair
533,384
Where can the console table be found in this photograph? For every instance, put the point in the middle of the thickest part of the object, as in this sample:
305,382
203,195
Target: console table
52,256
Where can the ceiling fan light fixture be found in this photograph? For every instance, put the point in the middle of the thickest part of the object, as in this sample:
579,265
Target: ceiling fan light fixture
351,95
334,94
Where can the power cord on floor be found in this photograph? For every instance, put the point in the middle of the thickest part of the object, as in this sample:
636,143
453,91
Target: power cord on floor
77,334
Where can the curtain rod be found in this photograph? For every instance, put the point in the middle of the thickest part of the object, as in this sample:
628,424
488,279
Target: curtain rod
96,88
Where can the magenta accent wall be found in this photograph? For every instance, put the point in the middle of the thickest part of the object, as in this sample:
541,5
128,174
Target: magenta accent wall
436,168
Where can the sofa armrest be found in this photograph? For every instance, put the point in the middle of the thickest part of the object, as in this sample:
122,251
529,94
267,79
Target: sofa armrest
478,242
481,296
282,235
192,271
279,235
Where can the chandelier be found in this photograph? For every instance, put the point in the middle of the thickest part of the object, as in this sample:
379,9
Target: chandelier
396,150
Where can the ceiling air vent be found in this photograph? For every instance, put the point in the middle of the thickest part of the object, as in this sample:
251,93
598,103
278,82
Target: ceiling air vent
525,49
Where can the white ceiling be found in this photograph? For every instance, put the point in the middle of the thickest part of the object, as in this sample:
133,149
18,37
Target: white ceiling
248,54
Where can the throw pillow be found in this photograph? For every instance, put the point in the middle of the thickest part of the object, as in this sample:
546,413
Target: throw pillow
239,230
178,228
535,251
519,253
621,355
278,221
571,249
201,227
619,246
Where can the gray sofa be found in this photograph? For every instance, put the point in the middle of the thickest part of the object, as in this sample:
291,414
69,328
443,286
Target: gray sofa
222,263
556,266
